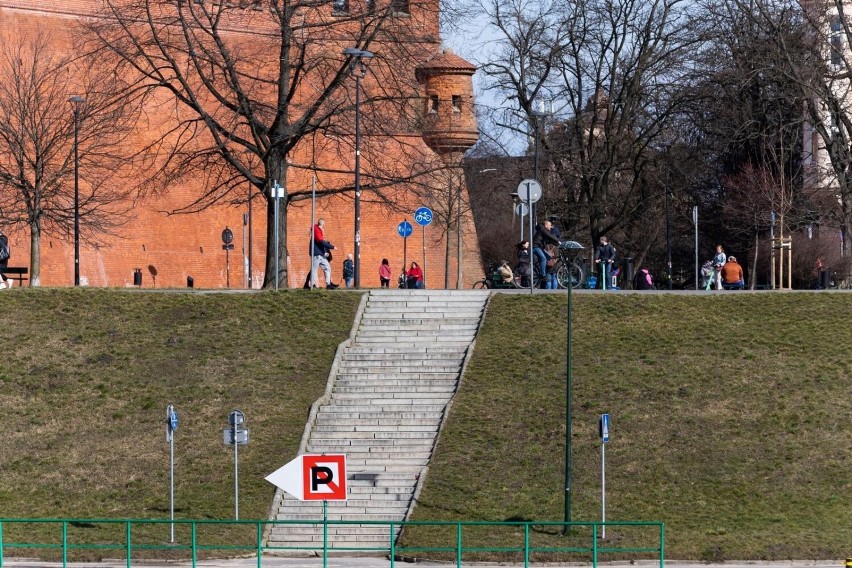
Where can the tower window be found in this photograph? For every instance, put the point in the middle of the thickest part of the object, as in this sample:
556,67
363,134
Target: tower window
340,6
400,6
433,103
836,41
457,103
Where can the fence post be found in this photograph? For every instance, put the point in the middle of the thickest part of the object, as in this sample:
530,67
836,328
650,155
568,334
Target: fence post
127,545
526,544
458,544
662,545
194,545
1,544
259,545
64,544
392,547
594,545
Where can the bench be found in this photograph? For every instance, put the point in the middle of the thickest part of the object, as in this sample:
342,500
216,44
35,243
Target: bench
15,273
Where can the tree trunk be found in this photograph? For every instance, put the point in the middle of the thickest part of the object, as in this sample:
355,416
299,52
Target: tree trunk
752,276
35,253
276,168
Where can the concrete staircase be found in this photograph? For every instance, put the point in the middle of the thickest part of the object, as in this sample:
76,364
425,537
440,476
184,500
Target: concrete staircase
388,392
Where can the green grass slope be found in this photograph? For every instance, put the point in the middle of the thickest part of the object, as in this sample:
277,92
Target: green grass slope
86,375
731,422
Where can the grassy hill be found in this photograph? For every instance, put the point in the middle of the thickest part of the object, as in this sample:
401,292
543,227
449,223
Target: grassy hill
86,375
731,422
732,414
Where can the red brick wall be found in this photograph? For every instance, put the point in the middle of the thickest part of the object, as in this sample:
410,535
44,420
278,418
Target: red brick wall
169,248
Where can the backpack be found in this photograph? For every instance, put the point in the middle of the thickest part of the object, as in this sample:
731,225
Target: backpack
4,249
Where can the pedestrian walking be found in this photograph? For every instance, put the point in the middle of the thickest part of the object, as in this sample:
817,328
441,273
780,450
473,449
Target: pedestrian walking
384,273
321,255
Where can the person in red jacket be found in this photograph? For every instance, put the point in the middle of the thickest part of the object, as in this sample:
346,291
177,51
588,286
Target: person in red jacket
732,275
321,254
414,276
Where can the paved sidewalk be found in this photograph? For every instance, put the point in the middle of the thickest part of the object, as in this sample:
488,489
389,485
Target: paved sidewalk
376,562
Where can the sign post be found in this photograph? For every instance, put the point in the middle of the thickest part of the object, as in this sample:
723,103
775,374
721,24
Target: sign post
695,222
603,426
171,426
529,191
314,477
277,193
423,216
404,230
238,437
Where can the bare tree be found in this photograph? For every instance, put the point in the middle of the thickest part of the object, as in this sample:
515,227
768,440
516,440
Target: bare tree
613,72
257,86
37,145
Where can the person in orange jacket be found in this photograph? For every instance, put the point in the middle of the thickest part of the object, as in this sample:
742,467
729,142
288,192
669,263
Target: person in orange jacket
732,275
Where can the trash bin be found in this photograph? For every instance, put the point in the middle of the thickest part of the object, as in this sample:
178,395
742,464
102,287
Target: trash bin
190,282
137,276
824,278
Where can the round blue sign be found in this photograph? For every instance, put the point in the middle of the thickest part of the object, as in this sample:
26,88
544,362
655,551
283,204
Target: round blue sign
423,216
404,229
173,421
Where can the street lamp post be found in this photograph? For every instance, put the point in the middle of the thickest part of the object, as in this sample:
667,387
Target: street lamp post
76,102
572,247
358,69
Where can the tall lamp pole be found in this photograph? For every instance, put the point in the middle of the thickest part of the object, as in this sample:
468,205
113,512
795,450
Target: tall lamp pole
76,102
572,247
358,69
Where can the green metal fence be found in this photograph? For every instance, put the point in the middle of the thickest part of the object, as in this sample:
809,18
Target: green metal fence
135,539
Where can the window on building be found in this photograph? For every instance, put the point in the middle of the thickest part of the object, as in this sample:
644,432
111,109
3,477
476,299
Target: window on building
340,6
433,103
370,6
400,6
457,103
836,41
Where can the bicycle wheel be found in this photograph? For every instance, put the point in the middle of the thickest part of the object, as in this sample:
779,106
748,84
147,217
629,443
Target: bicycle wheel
574,271
481,285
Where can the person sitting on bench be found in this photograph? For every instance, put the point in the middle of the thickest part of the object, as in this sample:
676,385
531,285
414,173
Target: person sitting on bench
732,275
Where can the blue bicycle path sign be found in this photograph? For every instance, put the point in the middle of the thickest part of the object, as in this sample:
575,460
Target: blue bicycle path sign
423,216
404,229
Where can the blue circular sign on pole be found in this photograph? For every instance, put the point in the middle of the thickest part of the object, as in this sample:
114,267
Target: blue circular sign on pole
423,216
404,229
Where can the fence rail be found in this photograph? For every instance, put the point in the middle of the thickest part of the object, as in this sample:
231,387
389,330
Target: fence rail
457,549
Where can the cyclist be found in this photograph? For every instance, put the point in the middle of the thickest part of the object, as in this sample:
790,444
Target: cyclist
544,238
605,257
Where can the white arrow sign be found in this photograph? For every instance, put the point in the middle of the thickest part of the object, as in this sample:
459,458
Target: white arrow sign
312,477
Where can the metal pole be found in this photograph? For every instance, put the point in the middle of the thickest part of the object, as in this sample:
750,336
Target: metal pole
227,267
459,231
275,197
172,485
236,475
568,359
695,222
357,180
668,235
313,278
423,227
530,215
249,235
405,257
245,252
76,195
603,489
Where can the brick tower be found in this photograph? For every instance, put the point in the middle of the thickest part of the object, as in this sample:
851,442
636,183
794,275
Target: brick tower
449,129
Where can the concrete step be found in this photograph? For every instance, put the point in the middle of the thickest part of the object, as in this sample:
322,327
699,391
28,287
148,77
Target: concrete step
398,415
392,408
411,389
397,350
421,331
374,428
409,367
378,398
356,443
454,341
